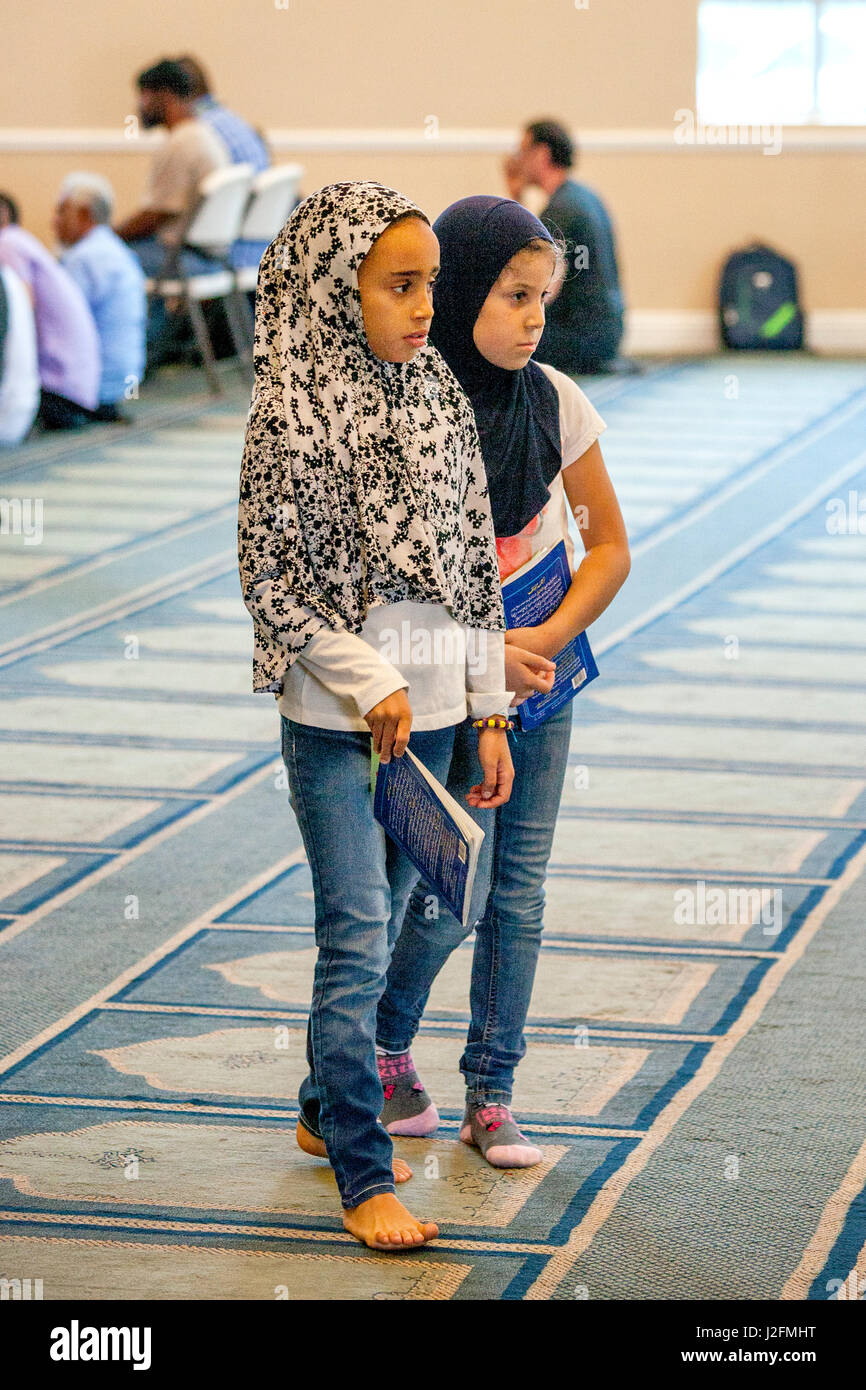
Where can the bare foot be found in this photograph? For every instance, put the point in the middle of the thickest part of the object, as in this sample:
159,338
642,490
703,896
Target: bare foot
311,1145
383,1223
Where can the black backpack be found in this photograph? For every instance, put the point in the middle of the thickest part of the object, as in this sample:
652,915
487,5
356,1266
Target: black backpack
759,305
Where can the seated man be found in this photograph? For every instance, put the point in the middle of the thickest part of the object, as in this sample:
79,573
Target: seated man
111,280
66,337
585,315
19,364
190,152
243,144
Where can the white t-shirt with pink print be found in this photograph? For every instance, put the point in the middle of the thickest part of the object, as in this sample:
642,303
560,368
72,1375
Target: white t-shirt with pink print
579,426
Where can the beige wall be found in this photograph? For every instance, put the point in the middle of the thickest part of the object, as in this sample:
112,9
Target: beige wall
619,64
362,62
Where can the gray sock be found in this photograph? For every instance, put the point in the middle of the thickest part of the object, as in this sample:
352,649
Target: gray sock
408,1110
490,1127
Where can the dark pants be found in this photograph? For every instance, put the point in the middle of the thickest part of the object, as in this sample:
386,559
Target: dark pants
581,352
59,413
168,334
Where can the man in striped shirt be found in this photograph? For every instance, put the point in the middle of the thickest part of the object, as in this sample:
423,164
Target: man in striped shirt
243,144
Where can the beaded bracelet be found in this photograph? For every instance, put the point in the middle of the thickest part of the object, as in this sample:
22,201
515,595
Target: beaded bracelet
494,721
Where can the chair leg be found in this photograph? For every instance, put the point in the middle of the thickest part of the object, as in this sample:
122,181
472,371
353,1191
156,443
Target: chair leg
238,328
202,337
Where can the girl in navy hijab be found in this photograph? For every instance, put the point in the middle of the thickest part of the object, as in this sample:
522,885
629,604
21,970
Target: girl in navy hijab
539,438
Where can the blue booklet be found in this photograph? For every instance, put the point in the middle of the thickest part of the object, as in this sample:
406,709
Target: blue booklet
530,595
434,831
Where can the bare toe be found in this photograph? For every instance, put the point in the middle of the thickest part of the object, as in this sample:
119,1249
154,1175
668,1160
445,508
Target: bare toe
382,1223
402,1171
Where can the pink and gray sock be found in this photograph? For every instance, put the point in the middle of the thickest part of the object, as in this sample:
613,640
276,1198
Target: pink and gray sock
490,1127
487,1125
408,1109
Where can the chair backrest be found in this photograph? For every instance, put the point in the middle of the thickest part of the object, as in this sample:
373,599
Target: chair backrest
223,196
273,196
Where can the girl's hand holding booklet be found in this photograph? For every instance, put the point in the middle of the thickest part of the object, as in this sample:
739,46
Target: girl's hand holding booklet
434,831
530,595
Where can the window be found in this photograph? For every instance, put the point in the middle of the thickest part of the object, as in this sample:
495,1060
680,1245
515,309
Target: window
787,62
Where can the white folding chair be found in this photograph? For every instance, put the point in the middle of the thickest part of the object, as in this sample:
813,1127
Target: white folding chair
213,225
272,197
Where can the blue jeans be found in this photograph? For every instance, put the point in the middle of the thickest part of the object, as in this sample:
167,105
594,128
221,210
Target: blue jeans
151,254
508,938
361,884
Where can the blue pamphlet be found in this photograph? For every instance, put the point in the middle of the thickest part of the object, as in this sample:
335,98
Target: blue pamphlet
441,839
530,596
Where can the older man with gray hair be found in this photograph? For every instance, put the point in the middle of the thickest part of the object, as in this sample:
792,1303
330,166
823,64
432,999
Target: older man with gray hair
112,281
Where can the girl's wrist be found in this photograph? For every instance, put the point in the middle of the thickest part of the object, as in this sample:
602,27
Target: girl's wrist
554,636
544,640
497,722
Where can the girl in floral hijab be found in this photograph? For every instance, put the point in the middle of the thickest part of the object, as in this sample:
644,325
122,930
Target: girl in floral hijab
364,526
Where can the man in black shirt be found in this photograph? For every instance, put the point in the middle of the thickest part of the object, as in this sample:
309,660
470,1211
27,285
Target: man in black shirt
585,319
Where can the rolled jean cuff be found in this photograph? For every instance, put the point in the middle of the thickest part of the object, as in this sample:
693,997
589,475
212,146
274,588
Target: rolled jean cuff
302,1120
376,1189
390,1046
487,1096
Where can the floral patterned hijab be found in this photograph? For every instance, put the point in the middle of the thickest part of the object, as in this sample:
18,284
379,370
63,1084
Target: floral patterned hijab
362,481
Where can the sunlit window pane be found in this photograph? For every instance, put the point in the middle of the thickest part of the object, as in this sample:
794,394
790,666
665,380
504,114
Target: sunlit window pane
781,61
842,75
755,61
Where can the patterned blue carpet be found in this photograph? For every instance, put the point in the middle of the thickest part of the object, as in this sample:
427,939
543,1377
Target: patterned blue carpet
694,1073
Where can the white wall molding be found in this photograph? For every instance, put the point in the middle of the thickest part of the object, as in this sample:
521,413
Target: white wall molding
665,331
670,331
837,331
685,331
755,140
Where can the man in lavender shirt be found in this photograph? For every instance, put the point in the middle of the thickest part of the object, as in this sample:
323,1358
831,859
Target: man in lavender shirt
66,336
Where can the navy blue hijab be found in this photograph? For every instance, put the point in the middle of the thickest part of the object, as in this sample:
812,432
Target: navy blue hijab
517,412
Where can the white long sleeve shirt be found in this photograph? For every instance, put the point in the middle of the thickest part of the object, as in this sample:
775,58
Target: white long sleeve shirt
449,670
